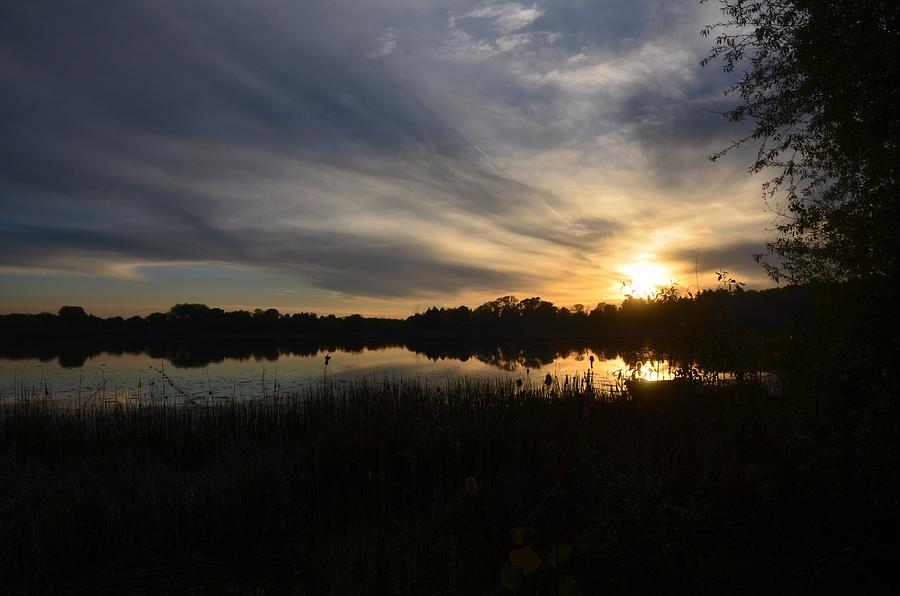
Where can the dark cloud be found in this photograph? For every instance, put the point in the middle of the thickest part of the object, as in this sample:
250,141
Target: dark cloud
358,265
188,71
736,257
610,24
678,138
722,256
97,92
346,263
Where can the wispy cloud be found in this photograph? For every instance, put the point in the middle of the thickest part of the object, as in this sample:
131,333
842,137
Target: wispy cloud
385,150
506,17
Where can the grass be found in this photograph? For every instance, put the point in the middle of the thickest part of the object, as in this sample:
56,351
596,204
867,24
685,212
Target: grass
406,487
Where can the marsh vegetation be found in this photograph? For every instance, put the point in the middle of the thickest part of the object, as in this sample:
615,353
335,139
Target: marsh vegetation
408,487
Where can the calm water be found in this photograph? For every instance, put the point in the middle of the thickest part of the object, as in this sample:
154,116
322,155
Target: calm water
107,376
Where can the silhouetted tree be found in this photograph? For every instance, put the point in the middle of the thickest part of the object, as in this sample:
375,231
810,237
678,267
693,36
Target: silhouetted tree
72,313
820,84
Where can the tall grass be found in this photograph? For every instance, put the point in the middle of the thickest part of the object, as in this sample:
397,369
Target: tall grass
407,487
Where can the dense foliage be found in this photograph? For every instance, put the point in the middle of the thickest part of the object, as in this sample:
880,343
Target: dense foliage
820,84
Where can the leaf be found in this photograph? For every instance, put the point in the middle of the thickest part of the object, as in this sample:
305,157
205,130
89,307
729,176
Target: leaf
511,576
558,555
525,558
518,535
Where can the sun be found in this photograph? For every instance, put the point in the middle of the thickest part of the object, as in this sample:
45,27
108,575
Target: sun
644,278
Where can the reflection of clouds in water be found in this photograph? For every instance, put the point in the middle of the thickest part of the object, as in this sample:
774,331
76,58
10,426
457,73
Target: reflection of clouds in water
142,376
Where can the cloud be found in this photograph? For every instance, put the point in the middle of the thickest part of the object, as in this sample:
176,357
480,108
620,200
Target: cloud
350,264
506,17
388,149
384,45
495,29
736,257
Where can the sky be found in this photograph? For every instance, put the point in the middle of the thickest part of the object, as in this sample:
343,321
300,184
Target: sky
365,156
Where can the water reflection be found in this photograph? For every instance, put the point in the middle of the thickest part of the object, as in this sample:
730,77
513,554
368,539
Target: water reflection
255,368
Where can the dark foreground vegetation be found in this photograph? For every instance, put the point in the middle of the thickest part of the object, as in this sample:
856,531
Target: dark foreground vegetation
405,488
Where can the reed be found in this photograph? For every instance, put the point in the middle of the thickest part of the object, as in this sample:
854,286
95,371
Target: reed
401,486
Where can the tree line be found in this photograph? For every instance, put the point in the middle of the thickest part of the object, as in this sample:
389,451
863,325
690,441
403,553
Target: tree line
721,311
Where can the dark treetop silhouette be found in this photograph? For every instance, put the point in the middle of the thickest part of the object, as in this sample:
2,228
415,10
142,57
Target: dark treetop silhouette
769,311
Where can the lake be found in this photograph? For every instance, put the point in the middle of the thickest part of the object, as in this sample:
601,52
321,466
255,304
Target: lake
250,371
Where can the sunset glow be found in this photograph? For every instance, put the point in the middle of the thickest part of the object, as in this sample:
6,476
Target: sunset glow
644,279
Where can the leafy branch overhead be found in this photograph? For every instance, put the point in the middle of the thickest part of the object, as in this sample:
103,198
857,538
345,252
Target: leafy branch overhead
819,83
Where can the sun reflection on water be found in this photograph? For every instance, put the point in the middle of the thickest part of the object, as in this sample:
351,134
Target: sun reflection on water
652,371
